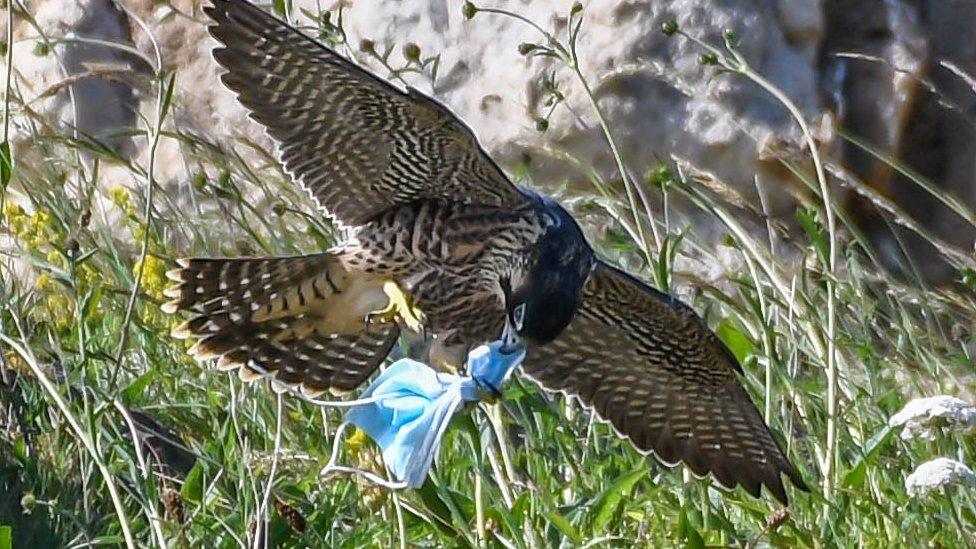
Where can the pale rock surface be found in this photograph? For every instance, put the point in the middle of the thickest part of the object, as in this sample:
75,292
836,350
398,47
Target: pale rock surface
636,73
658,100
899,94
100,107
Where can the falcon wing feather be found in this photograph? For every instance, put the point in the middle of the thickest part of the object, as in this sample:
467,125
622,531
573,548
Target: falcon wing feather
648,364
356,143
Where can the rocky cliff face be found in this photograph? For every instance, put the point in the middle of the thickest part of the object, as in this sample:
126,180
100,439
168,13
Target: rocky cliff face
897,73
911,93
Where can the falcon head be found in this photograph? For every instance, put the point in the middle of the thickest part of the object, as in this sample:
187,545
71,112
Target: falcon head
542,297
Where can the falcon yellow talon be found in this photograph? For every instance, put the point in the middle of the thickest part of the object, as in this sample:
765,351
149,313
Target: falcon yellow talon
444,366
400,306
386,314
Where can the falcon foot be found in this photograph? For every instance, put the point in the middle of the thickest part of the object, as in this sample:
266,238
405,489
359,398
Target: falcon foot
443,365
400,307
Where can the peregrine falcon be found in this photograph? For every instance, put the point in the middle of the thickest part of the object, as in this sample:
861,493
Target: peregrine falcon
432,215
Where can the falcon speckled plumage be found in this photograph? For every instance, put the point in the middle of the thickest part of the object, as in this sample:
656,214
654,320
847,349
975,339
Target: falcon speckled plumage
431,213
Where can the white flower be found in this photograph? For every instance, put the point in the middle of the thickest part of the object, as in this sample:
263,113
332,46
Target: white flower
938,475
924,418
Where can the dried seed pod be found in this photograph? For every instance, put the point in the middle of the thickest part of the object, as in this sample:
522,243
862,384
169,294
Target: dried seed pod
777,519
411,52
173,506
292,515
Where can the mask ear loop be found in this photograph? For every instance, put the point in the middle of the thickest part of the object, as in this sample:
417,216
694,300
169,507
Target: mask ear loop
511,342
331,466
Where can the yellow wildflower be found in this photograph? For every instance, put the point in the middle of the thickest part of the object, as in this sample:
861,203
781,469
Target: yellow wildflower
12,210
139,233
60,310
55,258
17,219
44,282
122,199
86,275
94,315
18,225
355,442
41,225
17,363
366,457
153,276
33,231
120,196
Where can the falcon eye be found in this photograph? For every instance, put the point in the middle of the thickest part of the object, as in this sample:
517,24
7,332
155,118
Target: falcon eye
518,317
553,221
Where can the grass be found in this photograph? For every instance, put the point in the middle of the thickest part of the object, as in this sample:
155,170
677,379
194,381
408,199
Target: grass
88,365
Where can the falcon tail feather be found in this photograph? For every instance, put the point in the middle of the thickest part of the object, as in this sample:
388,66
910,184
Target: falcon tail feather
299,319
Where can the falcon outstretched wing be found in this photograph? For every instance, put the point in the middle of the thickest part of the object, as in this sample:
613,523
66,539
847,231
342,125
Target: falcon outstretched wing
649,364
356,143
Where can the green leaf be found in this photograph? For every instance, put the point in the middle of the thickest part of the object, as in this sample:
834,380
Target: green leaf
521,506
502,516
167,97
192,489
466,423
6,164
694,539
736,340
609,501
279,7
564,526
113,540
809,220
463,504
229,447
665,260
689,533
434,504
90,302
615,238
6,537
20,450
854,477
86,256
138,386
